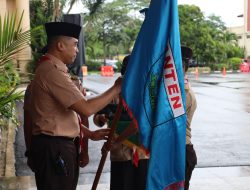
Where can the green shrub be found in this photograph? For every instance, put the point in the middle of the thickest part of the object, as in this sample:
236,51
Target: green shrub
236,66
119,65
13,39
9,80
235,63
219,66
94,65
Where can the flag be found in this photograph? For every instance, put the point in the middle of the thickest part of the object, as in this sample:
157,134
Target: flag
153,92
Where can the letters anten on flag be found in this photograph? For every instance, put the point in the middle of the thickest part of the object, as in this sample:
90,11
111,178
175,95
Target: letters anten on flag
153,92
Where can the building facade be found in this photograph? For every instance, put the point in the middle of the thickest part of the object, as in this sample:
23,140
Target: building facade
243,32
19,6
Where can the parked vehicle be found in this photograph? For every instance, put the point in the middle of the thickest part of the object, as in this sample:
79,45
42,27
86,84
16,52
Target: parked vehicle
245,65
193,63
112,62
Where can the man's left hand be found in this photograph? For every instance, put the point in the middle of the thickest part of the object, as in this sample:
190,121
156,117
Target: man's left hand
101,134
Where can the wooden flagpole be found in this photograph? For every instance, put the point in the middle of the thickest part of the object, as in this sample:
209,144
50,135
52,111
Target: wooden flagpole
108,144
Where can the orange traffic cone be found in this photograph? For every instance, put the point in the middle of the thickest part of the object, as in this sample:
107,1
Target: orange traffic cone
84,71
224,72
196,73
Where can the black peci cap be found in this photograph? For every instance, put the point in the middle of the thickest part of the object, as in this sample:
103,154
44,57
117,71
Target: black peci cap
186,52
62,29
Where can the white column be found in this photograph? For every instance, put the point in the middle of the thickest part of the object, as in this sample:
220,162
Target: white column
3,8
25,55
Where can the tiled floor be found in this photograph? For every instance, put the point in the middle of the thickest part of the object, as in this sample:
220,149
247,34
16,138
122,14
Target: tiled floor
217,178
221,178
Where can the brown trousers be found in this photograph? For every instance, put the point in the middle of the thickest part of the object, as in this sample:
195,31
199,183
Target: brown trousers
191,161
55,161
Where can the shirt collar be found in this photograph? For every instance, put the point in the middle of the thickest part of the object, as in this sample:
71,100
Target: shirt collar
58,63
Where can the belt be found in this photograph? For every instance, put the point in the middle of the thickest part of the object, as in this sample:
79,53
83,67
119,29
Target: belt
56,137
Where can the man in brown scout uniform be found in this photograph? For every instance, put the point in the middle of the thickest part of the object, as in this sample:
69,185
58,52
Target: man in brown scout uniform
191,159
52,104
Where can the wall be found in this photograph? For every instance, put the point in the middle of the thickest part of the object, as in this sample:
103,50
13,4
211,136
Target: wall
19,5
243,32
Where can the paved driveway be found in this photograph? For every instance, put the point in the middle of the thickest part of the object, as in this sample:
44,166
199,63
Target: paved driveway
221,125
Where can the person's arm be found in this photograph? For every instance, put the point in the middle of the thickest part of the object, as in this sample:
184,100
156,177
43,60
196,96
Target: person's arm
27,127
101,119
27,122
100,134
93,105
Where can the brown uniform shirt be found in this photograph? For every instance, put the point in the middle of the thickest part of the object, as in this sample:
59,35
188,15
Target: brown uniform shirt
191,105
52,92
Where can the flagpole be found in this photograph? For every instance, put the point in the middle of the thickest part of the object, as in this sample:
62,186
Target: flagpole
107,144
